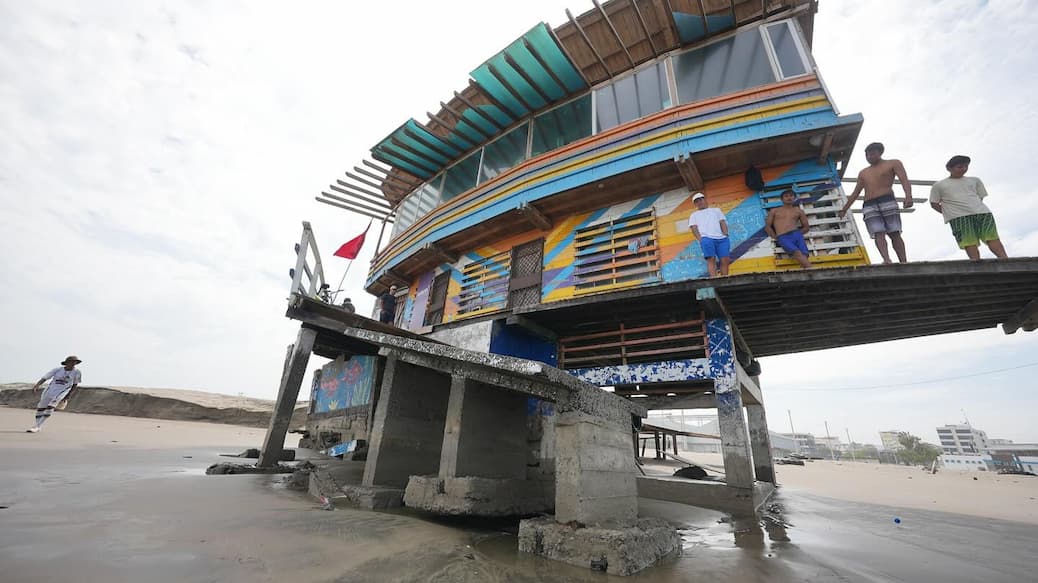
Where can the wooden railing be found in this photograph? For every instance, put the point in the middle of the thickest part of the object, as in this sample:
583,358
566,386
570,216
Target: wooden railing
631,345
307,280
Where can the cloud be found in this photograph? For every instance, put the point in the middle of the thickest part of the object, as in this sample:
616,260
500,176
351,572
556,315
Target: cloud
157,162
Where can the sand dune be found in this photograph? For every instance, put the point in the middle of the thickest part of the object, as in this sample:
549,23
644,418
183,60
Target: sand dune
172,404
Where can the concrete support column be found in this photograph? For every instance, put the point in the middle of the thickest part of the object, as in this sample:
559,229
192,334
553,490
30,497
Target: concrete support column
485,432
760,443
594,470
735,441
288,393
407,434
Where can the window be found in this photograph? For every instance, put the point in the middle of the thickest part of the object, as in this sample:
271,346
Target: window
618,253
786,52
560,126
727,66
632,97
484,284
437,299
504,153
461,177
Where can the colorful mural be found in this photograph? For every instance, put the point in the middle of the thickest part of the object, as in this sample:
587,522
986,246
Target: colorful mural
343,384
675,254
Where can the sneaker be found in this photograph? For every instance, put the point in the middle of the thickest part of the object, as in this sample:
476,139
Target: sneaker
33,430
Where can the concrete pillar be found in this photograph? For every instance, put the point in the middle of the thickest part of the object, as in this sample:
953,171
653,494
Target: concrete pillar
760,443
735,441
288,393
407,434
485,432
594,470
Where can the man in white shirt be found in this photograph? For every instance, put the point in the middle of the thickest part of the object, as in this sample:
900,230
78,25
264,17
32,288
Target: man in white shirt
710,227
63,380
959,199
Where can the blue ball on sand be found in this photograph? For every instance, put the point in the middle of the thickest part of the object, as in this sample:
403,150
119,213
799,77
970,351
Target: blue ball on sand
897,520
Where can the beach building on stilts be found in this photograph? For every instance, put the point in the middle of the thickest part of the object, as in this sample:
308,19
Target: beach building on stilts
550,290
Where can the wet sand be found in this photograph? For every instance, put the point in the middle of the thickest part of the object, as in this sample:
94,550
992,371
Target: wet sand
95,498
991,495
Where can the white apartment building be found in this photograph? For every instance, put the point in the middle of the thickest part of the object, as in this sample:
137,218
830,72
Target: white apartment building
890,441
962,439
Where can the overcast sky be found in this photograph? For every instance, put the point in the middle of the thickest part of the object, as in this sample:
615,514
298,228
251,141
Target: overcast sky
157,160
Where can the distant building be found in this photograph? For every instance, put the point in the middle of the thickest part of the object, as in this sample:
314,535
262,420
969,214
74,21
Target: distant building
890,440
1022,456
966,462
832,442
805,442
1000,442
962,439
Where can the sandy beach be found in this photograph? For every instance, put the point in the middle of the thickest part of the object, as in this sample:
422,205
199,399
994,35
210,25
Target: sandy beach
112,499
990,495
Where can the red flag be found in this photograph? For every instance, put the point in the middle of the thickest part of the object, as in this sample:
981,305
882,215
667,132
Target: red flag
350,249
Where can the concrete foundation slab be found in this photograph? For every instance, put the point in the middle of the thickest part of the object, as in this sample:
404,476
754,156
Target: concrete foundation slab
622,548
706,494
371,497
473,496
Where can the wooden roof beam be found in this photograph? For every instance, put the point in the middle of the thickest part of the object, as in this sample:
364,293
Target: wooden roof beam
381,211
665,12
535,216
450,128
590,45
390,174
526,77
440,253
540,61
565,51
645,27
342,184
435,148
827,145
495,102
689,173
346,207
518,96
478,111
486,135
616,33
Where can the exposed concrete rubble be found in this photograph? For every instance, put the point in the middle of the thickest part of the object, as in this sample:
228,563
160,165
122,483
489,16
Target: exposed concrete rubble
622,548
473,496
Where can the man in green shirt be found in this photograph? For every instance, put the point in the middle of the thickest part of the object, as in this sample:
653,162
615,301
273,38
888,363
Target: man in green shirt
959,199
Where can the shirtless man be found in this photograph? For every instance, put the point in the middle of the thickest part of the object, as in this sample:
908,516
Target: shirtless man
787,225
881,214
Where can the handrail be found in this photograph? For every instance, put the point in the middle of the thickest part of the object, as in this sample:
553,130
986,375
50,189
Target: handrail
314,280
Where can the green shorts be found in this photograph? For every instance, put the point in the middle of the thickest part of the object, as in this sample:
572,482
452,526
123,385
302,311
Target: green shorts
970,230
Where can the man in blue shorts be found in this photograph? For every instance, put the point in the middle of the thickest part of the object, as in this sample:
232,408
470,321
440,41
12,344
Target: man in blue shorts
787,225
959,198
710,227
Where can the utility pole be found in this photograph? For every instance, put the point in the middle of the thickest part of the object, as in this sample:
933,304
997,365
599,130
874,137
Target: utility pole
829,441
850,444
796,442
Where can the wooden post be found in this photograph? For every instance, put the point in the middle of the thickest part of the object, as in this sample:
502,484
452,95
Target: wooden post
288,394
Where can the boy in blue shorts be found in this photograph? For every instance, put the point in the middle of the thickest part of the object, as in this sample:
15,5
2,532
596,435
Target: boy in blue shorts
710,227
787,225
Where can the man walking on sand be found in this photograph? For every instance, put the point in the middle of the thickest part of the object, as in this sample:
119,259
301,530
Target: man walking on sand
881,214
787,225
960,199
710,227
63,381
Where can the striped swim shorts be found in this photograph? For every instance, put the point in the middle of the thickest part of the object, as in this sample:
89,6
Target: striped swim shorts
970,230
882,215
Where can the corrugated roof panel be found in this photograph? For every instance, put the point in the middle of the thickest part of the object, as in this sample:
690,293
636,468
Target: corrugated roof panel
446,146
393,158
541,40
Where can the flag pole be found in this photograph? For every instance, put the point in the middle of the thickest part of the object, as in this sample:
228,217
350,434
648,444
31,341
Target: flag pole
338,289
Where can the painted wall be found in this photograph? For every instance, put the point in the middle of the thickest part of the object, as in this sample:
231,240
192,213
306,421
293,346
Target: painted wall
344,384
680,255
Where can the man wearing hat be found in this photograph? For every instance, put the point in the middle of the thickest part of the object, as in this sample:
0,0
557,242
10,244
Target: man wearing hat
709,225
959,199
63,380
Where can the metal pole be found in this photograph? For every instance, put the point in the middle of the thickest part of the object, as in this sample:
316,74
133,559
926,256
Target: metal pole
829,440
850,444
796,443
335,296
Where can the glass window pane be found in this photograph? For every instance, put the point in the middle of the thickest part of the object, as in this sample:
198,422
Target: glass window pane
786,50
504,153
461,176
652,90
605,108
727,66
626,99
562,125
